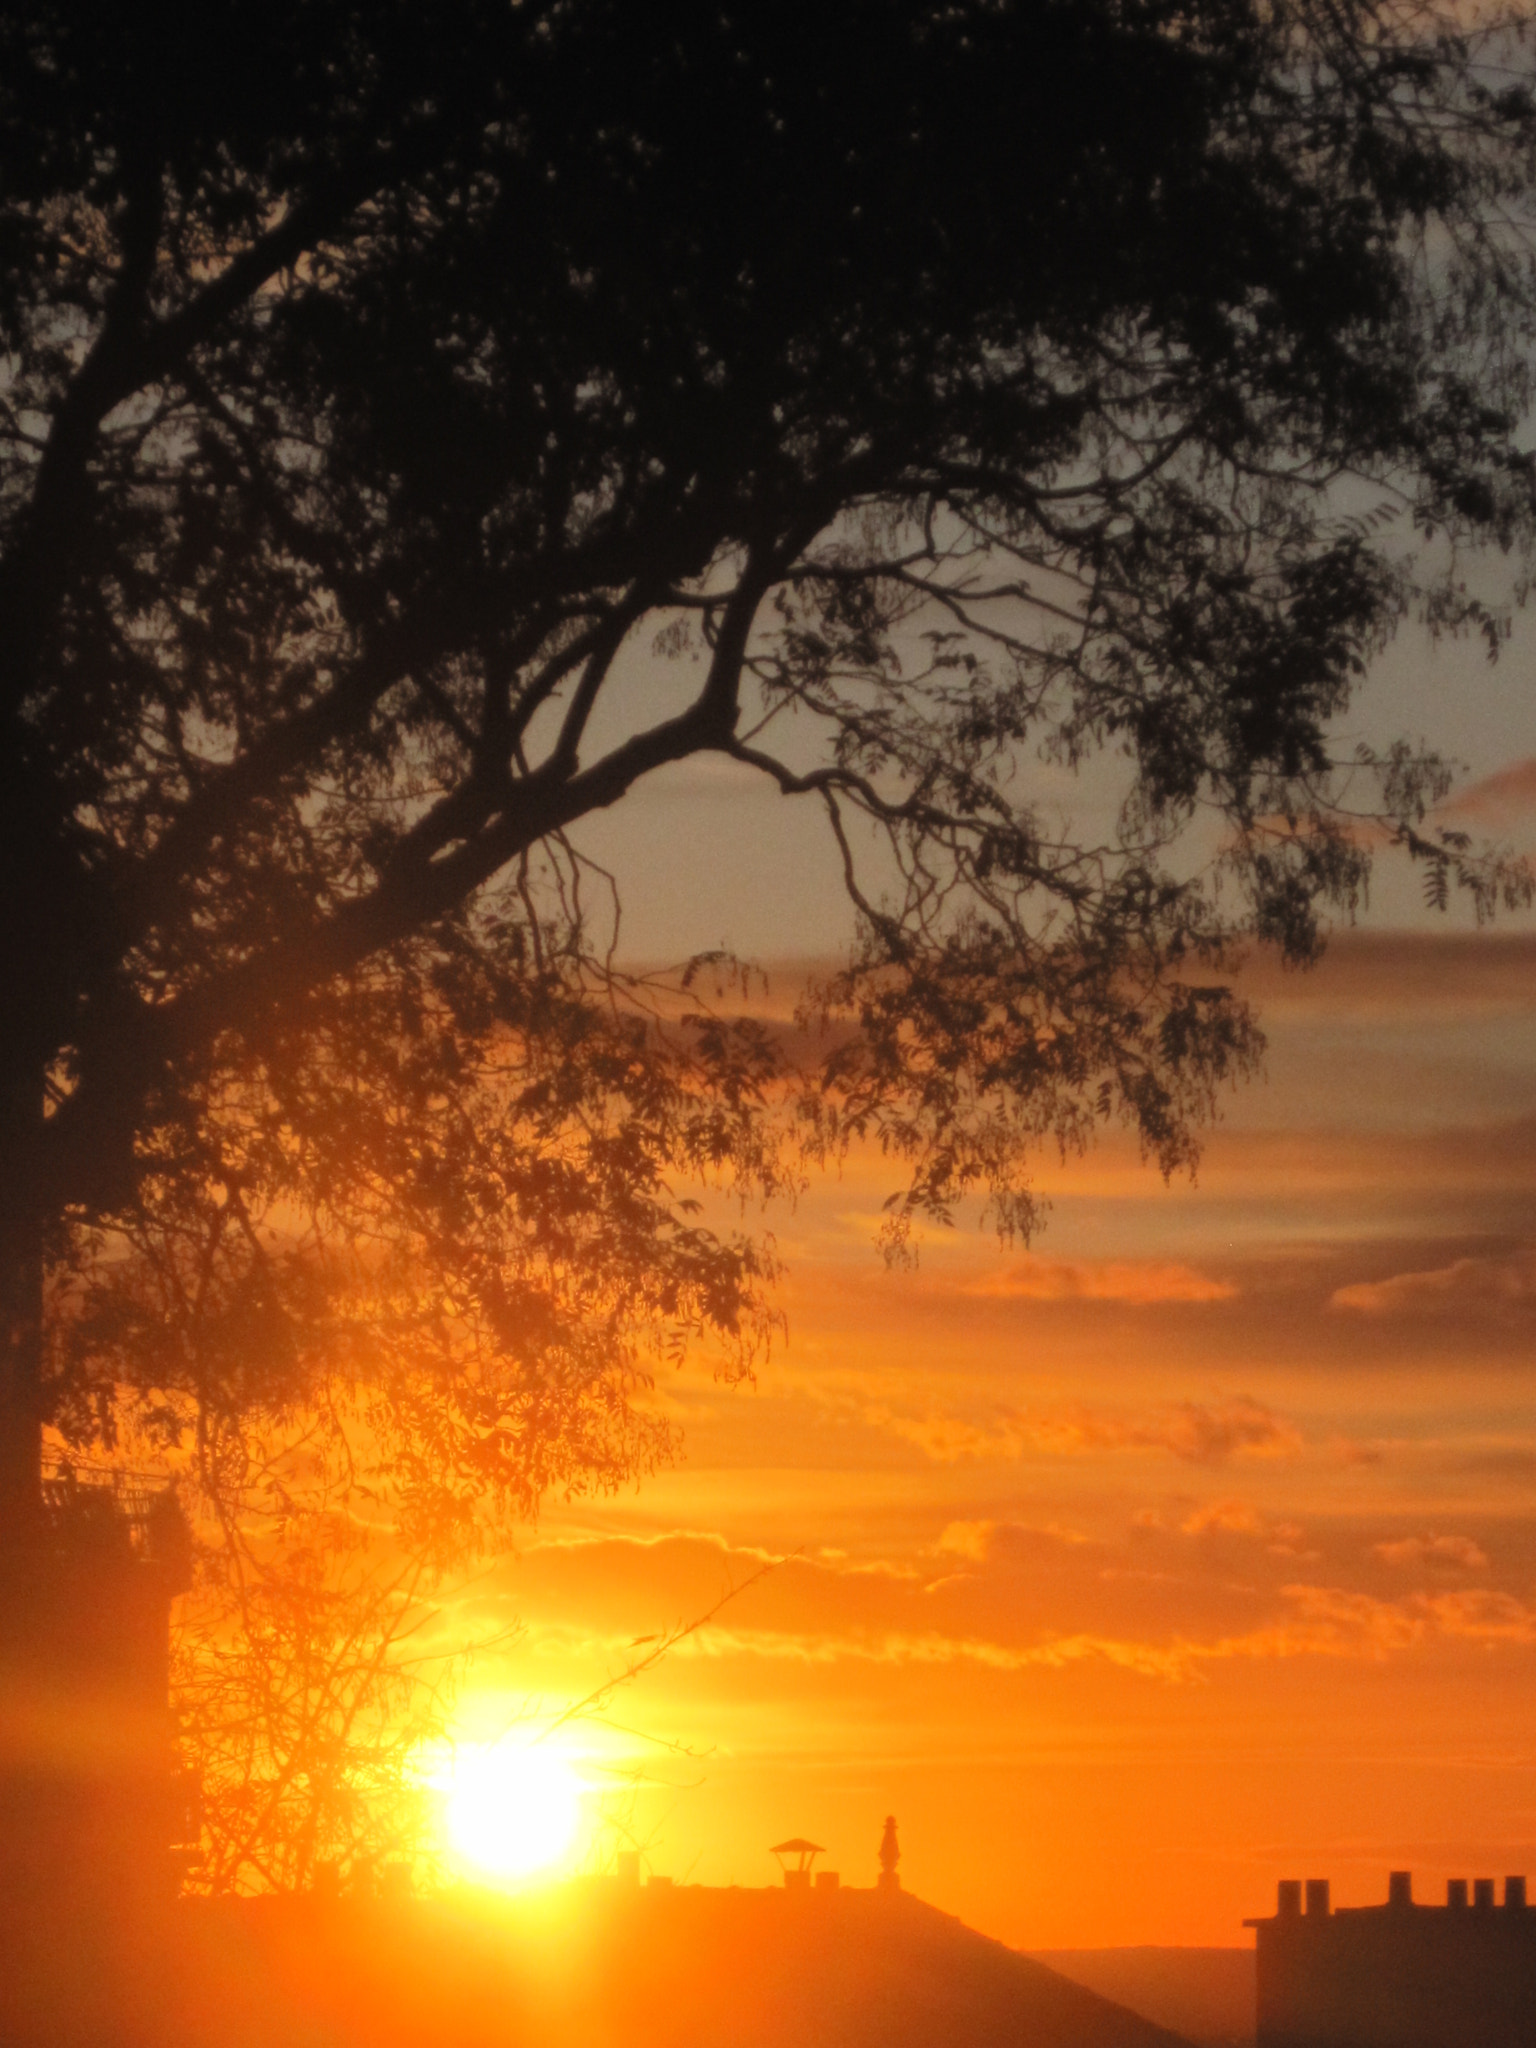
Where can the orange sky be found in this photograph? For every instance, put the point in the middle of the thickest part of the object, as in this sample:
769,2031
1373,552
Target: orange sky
1195,1548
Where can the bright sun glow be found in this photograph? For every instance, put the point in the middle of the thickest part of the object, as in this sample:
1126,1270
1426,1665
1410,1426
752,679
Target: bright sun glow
512,1811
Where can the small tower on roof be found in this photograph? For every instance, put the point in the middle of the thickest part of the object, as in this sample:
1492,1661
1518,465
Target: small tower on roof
795,1859
890,1856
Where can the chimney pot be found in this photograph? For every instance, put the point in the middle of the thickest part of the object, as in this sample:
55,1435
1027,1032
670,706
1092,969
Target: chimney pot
1317,1896
1400,1888
1456,1893
1514,1894
1288,1903
1482,1892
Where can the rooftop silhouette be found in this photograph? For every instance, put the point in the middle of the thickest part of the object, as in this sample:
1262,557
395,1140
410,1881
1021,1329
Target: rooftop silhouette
1398,1975
609,1964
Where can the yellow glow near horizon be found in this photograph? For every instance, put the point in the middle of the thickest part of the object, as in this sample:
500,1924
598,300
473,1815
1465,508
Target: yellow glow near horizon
511,1812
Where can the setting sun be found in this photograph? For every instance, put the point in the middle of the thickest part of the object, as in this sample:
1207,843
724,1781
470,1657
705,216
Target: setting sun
511,1811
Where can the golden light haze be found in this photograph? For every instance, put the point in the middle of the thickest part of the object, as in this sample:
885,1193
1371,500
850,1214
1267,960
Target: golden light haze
1192,1547
510,1809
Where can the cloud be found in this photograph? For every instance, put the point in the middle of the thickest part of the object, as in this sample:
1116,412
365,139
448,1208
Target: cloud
1173,1662
1333,1622
1024,1599
1465,1284
949,1439
1349,1450
1500,801
1443,973
1139,1283
967,1539
1513,1464
1481,1616
1228,1517
979,1541
1458,1552
1196,1432
1324,1621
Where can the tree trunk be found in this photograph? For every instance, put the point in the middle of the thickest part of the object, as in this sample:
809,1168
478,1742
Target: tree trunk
23,1232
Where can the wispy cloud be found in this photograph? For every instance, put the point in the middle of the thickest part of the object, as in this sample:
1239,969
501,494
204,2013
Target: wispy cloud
1501,800
1226,1517
1330,1621
1463,1285
1322,1622
895,1646
978,1541
1481,1615
1139,1283
1459,1553
1198,1433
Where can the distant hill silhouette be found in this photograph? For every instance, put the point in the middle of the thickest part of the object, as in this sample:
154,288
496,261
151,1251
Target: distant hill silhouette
601,1966
1205,1994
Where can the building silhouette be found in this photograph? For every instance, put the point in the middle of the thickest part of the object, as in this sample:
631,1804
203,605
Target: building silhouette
1400,1975
92,1806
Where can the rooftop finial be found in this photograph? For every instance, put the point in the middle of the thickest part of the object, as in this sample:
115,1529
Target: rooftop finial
890,1856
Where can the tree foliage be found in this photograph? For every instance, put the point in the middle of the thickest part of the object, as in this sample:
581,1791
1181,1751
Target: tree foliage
930,391
305,1710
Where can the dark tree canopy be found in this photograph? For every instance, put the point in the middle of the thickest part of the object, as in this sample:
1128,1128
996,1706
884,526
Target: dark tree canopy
940,387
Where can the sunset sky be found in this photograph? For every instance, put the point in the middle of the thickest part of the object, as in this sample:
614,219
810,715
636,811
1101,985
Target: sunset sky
1192,1548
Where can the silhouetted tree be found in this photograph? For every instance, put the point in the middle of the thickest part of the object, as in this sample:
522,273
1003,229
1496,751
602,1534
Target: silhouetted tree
932,388
357,1331
305,1710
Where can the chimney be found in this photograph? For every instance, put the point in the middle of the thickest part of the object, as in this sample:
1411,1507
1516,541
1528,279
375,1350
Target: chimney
1514,1894
1482,1892
1456,1894
827,1880
1288,1903
1317,1897
1400,1888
